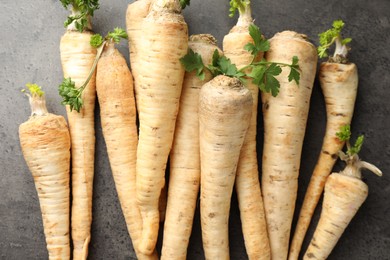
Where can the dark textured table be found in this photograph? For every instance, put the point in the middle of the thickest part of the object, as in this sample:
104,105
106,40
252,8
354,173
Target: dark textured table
29,49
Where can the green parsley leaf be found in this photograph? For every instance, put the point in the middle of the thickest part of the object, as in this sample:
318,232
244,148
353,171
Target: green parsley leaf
263,75
215,58
223,66
294,71
260,43
338,25
355,149
35,90
226,66
346,41
328,37
70,94
184,3
117,35
96,40
84,9
193,62
345,133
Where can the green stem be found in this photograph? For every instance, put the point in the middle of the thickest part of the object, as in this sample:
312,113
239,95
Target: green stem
245,18
98,55
263,63
340,49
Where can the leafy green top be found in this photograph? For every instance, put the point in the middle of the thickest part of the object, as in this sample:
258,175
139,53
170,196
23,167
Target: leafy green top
71,95
262,72
114,36
345,136
184,3
34,89
333,35
37,100
81,11
354,164
239,5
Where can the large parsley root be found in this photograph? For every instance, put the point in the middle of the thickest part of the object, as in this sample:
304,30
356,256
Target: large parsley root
339,83
136,12
160,77
344,193
114,87
285,119
45,143
77,59
184,175
247,183
225,107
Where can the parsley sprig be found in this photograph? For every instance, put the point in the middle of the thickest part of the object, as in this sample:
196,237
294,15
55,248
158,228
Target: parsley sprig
351,157
34,89
333,36
81,11
345,136
71,95
115,36
262,73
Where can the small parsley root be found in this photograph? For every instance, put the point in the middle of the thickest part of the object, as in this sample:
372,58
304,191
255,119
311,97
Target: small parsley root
184,175
115,92
225,108
339,83
247,182
45,143
78,92
344,193
158,85
285,118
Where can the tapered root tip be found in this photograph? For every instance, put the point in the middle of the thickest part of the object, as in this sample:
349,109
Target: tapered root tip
149,234
81,253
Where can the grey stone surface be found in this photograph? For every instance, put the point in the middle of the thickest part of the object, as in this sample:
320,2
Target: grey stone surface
29,52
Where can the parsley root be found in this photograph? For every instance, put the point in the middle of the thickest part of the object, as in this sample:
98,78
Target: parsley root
339,83
45,143
247,183
344,193
78,91
285,118
225,108
115,91
184,175
158,87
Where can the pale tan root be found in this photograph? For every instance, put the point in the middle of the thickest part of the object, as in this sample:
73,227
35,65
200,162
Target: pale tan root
339,84
45,143
77,57
164,41
225,107
184,178
247,184
136,12
285,119
114,87
343,197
